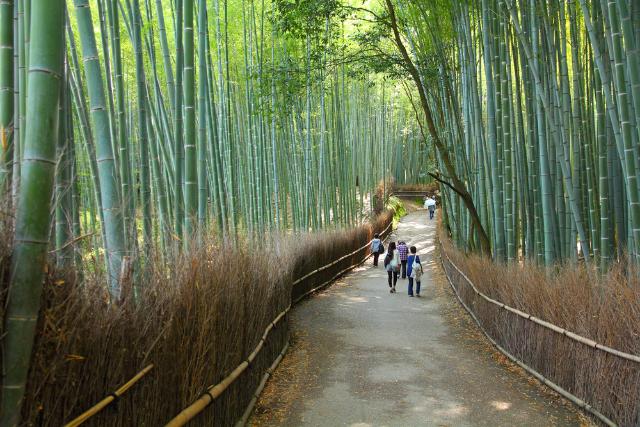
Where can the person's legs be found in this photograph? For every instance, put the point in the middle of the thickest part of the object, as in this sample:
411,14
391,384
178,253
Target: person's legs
375,259
417,287
395,279
410,286
389,273
404,269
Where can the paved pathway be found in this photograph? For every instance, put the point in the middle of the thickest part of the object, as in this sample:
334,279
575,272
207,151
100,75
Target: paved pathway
361,356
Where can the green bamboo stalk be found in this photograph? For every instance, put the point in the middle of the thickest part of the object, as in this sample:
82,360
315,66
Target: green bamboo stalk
202,113
16,103
191,171
6,93
111,201
166,57
141,91
178,136
63,186
498,217
124,166
34,203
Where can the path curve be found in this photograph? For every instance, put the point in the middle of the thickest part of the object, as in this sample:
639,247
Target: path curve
361,356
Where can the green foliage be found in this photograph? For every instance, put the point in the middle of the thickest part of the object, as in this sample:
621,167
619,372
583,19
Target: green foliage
302,18
395,205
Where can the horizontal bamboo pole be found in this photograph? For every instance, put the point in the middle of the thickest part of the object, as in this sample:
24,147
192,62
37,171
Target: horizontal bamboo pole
215,391
341,272
107,400
550,326
306,276
256,395
544,380
408,193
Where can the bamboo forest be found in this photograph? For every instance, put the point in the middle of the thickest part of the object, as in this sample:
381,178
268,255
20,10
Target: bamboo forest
211,212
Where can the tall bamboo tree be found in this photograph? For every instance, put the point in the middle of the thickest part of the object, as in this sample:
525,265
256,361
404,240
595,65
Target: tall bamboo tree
33,217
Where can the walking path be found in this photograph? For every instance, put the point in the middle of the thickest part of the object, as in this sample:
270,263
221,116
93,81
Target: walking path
361,356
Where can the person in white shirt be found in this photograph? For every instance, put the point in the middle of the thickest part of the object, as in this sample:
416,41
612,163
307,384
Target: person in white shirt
392,265
430,204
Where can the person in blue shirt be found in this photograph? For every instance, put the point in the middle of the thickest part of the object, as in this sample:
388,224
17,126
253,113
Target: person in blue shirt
376,245
414,271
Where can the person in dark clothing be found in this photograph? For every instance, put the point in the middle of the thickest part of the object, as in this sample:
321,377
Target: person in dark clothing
414,270
392,265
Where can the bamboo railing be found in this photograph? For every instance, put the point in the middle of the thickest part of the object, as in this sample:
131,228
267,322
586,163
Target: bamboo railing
447,265
109,399
214,391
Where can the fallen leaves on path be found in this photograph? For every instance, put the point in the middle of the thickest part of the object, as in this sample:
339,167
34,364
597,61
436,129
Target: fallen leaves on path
285,385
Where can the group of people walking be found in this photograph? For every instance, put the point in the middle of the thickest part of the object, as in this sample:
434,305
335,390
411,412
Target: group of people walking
400,261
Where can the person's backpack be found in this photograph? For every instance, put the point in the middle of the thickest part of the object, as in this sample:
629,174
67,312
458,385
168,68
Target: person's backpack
416,269
380,248
387,260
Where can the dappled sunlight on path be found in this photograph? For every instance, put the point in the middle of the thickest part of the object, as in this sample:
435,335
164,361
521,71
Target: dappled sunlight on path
364,357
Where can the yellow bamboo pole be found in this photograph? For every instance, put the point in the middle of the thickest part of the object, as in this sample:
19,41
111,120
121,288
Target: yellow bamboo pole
550,326
256,395
107,400
213,392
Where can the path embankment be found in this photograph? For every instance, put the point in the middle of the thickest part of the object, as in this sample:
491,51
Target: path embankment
211,323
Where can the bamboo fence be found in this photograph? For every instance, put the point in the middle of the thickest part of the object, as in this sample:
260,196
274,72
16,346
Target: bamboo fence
216,390
109,399
449,268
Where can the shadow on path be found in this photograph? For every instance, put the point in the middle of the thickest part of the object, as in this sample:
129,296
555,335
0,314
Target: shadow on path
361,356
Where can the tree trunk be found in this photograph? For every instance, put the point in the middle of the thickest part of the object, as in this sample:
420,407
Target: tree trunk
457,183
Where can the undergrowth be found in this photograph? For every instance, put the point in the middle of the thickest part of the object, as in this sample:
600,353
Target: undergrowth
395,205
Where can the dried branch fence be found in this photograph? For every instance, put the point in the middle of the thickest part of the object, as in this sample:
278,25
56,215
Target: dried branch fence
306,285
599,379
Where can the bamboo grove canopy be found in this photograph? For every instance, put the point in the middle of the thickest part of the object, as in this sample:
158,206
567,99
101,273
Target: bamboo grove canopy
140,125
178,116
539,105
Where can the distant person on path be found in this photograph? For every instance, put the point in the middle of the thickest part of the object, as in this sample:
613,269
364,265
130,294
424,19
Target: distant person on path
414,270
431,205
377,248
392,265
404,251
